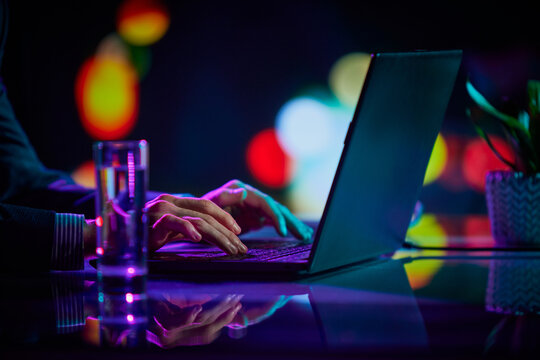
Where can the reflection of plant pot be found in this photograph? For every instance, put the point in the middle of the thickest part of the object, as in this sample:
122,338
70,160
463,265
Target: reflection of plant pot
513,286
513,202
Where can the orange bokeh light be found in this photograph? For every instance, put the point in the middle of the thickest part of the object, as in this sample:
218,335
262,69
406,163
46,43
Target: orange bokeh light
267,161
142,22
85,174
107,96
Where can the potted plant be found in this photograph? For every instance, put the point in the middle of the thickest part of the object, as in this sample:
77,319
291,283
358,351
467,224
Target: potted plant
513,196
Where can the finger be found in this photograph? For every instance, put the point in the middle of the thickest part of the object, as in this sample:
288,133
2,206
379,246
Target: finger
208,207
170,222
230,197
232,237
268,207
225,319
213,235
163,206
210,315
297,227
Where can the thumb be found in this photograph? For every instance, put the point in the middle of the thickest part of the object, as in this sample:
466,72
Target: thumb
230,197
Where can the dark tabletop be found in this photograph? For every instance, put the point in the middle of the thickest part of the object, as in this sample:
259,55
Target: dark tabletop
414,304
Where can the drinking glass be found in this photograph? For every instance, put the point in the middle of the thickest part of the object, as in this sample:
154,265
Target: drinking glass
122,180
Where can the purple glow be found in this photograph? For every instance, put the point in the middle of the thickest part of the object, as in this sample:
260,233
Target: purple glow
130,318
129,297
99,251
131,270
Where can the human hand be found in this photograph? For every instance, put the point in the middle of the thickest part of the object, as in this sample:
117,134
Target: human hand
252,209
174,218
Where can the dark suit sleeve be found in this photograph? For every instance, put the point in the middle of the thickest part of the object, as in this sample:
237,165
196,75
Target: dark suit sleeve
26,238
27,188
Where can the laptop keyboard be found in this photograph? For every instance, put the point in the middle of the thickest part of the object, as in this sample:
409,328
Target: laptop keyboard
288,254
277,254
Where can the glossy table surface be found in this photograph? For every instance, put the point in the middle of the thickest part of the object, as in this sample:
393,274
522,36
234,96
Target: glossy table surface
413,304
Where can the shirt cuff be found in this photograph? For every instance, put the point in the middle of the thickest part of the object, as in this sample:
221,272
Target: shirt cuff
67,250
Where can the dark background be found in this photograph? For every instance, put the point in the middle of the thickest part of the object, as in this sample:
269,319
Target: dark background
223,70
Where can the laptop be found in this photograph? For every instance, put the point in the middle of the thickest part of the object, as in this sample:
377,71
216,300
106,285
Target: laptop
376,184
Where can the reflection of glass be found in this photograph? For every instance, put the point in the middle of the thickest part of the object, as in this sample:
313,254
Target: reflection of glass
122,311
122,177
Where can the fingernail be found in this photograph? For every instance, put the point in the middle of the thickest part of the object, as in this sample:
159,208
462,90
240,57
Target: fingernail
233,250
244,248
283,229
237,229
197,236
243,191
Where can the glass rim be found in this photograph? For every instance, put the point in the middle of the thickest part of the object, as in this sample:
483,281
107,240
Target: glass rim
120,144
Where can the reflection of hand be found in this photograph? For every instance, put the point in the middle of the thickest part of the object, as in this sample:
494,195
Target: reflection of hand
173,326
251,315
173,218
253,209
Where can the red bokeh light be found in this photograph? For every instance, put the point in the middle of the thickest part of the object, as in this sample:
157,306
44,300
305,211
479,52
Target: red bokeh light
479,159
267,161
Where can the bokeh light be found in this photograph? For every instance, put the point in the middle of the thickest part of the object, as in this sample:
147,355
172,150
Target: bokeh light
267,161
437,161
107,96
85,175
90,331
307,127
141,58
479,159
309,190
142,22
347,76
427,232
452,177
112,46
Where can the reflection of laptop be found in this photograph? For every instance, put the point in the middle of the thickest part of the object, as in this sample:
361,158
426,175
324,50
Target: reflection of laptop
377,181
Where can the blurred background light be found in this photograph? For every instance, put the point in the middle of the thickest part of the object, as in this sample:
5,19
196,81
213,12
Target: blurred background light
141,59
437,161
112,46
347,76
267,161
452,178
306,127
427,232
479,159
142,22
85,174
107,97
309,190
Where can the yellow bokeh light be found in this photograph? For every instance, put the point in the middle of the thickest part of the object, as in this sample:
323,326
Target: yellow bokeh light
107,97
428,232
347,77
109,94
142,22
437,161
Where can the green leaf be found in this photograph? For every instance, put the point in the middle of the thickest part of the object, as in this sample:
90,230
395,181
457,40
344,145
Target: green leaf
487,107
524,119
533,89
485,136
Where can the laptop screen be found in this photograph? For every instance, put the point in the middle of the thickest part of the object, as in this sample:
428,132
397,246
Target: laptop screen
386,152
